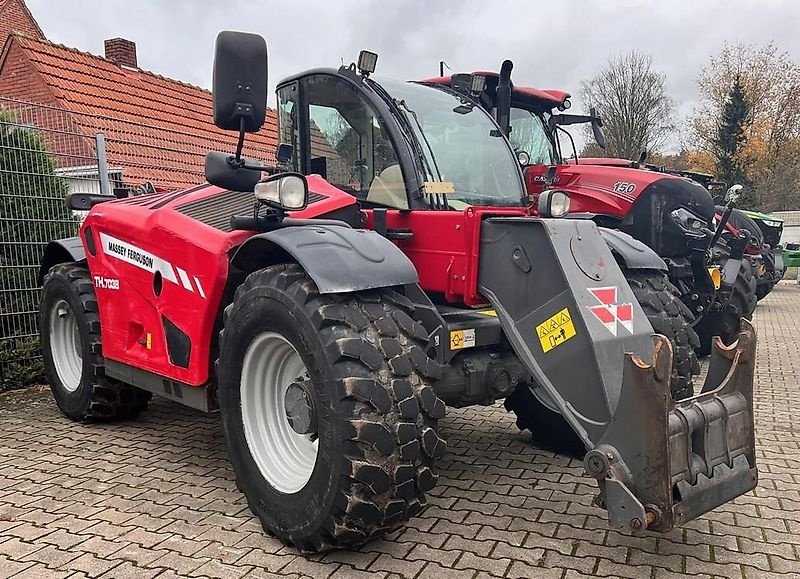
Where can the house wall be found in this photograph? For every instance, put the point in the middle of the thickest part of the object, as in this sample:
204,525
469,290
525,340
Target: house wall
14,17
19,80
791,226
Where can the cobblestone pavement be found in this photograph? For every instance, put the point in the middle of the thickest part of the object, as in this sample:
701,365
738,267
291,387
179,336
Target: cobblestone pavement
156,498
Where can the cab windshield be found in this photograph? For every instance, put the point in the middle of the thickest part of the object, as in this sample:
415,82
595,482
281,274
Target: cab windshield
458,145
529,134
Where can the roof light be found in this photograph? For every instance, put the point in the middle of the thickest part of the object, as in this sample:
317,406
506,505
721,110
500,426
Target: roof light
367,62
477,83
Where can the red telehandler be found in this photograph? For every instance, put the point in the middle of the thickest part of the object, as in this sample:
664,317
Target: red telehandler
333,308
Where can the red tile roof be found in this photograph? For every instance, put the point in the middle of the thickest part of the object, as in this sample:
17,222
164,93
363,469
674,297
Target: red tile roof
156,128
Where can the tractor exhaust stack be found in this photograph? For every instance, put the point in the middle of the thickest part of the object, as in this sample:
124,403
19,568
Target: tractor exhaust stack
504,97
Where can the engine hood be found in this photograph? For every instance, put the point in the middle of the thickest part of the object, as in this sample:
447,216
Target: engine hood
609,190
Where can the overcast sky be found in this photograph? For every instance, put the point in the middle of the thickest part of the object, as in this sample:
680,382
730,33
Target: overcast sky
553,44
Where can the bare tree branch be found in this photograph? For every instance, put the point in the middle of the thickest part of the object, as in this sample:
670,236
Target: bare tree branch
632,100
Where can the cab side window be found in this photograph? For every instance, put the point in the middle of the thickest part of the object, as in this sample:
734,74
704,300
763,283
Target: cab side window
288,108
348,145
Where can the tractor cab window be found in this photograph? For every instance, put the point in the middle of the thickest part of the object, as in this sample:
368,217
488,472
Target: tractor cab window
348,144
288,122
530,134
458,147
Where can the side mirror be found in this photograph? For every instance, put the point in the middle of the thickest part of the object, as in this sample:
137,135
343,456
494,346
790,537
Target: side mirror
734,193
240,81
597,129
224,171
284,154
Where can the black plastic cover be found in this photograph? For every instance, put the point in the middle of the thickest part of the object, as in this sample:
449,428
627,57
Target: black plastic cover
650,219
339,259
179,345
221,172
61,251
631,253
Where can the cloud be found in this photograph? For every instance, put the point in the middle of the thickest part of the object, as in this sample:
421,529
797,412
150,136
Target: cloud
553,45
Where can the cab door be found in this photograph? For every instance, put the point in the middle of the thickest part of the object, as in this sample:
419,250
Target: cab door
338,135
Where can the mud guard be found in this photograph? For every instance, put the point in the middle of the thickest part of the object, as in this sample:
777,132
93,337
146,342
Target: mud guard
574,322
339,259
631,252
61,251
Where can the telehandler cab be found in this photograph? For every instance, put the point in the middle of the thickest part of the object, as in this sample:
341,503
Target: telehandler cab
388,266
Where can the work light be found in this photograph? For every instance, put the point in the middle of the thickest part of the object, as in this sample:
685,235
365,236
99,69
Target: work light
286,192
367,61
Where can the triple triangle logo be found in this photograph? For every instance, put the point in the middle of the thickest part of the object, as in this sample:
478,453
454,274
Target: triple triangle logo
610,313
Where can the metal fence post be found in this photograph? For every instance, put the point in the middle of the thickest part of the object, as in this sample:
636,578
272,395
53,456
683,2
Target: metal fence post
102,164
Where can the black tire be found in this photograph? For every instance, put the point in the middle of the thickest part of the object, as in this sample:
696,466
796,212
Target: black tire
548,429
725,322
376,413
95,397
764,288
668,315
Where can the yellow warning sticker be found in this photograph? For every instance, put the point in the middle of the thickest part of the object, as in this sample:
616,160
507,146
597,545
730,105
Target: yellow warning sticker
149,341
555,330
488,313
460,339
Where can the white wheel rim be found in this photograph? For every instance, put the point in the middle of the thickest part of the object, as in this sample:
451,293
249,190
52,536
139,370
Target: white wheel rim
65,346
285,458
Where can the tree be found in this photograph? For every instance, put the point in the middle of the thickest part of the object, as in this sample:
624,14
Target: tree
633,102
32,212
770,84
731,140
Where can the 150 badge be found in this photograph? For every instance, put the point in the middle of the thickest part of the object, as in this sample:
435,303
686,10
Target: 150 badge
624,187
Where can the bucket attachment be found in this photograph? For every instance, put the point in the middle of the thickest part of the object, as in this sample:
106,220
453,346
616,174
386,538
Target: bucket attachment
574,322
662,463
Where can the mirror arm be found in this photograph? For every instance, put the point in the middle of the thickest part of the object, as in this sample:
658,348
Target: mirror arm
565,120
239,162
271,169
240,143
571,140
722,223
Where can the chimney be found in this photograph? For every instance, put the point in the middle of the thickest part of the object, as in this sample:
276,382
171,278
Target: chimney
121,52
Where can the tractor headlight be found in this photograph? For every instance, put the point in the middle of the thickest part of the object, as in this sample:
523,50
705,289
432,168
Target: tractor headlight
286,191
690,223
553,203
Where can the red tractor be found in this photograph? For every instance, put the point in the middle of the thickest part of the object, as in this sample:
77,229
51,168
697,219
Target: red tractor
388,266
672,215
734,230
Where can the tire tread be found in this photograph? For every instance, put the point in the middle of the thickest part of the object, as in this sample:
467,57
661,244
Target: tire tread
369,340
109,399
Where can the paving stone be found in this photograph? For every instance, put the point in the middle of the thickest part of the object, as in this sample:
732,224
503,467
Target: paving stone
156,498
9,568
